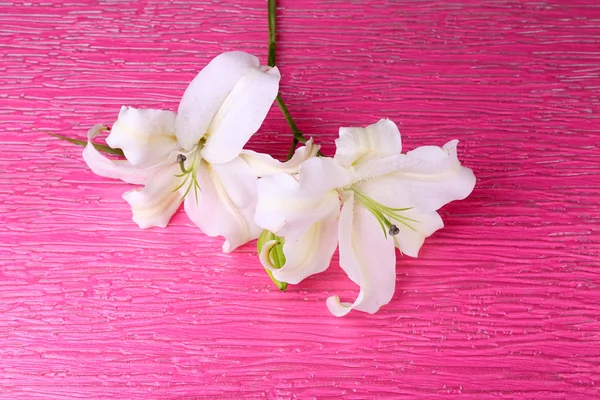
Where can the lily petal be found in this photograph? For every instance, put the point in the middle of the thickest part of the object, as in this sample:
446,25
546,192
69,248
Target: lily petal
357,145
368,257
241,114
453,181
207,92
308,254
227,101
117,169
225,203
413,223
319,175
410,239
264,164
428,177
287,206
146,137
155,204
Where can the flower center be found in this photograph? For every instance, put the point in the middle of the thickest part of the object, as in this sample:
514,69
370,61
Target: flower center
386,216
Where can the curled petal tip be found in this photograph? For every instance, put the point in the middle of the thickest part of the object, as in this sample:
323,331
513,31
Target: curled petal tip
336,307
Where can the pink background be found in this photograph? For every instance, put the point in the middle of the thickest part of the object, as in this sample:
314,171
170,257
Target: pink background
502,303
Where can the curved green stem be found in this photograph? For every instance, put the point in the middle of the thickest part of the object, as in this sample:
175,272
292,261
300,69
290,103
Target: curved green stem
292,149
298,136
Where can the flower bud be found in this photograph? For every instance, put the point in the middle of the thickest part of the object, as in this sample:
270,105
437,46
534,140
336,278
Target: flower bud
276,256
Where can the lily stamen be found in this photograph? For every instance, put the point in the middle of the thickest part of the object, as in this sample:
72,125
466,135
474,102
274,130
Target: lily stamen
187,173
181,160
384,214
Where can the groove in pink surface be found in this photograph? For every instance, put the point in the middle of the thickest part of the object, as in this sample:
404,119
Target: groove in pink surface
502,303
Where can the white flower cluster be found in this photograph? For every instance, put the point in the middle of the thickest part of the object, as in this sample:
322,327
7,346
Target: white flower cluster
368,200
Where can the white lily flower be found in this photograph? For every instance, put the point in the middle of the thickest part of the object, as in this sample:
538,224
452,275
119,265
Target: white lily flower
196,155
369,199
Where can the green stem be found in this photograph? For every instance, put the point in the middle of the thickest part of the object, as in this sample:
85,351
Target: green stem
298,136
292,149
272,5
83,143
288,117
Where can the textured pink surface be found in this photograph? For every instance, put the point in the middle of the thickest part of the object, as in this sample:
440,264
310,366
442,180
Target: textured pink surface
503,303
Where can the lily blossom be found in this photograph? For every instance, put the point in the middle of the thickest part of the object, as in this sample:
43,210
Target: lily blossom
369,199
195,156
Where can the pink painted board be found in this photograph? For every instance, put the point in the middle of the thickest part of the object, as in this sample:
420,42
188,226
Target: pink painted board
502,303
